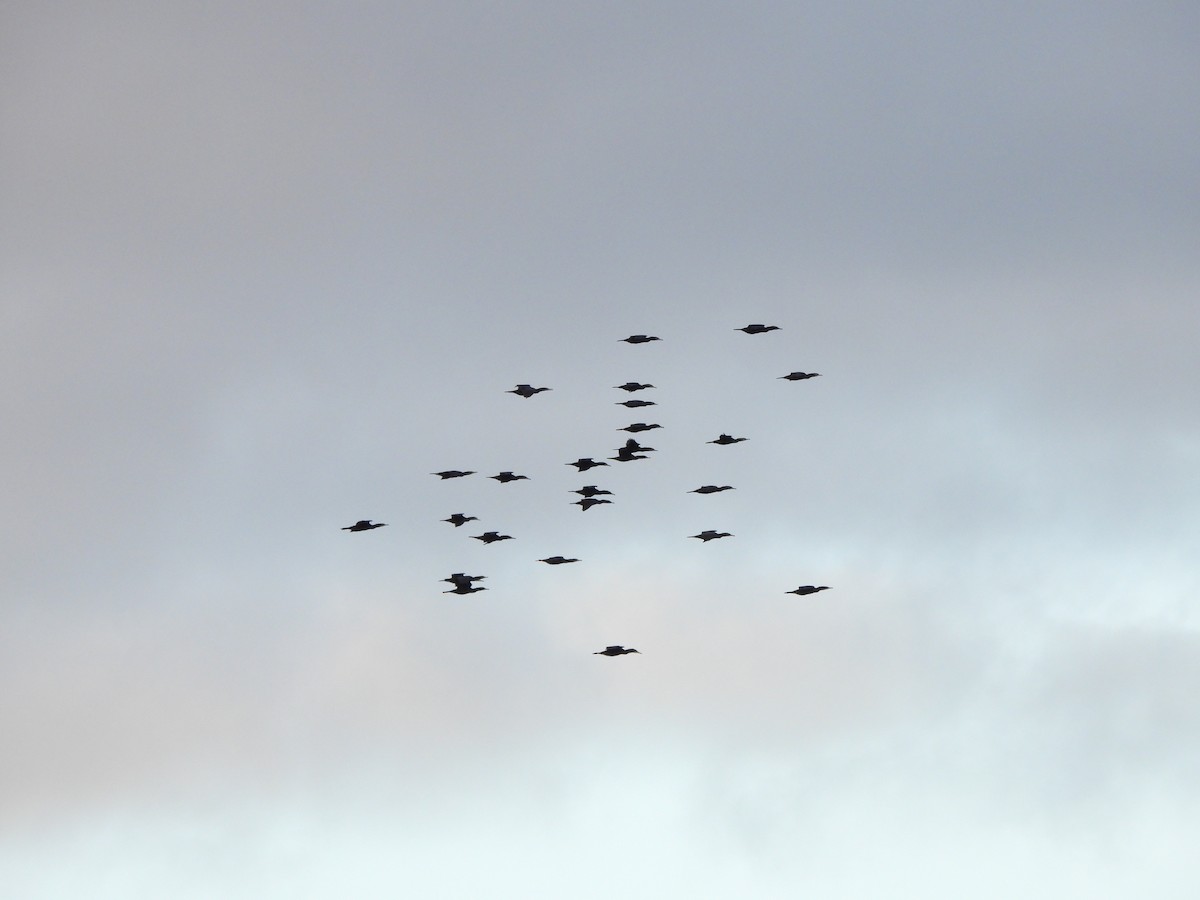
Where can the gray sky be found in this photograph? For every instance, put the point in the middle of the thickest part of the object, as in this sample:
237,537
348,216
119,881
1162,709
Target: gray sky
265,267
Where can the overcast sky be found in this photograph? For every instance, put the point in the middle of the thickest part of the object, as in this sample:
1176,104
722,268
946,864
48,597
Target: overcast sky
265,267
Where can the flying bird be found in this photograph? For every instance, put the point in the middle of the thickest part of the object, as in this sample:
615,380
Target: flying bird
452,473
632,386
458,579
588,502
807,589
459,519
624,454
638,426
586,462
640,339
711,489
711,535
634,447
557,560
526,390
490,537
465,589
758,329
506,477
800,376
590,490
616,650
363,525
725,440
634,404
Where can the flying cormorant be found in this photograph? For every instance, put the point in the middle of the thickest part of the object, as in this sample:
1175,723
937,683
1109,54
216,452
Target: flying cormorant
526,390
459,519
616,650
758,329
711,535
363,525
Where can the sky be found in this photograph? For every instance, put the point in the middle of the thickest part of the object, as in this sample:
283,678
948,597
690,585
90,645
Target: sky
265,267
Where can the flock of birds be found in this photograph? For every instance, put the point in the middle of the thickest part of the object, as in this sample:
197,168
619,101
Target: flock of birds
591,495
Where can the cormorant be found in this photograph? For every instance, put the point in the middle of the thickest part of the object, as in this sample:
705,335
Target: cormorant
459,519
490,537
588,502
640,339
638,426
634,404
458,579
711,535
800,376
506,477
586,462
526,390
632,386
634,447
452,473
557,560
590,490
363,525
711,489
807,589
725,440
624,454
758,329
465,589
616,650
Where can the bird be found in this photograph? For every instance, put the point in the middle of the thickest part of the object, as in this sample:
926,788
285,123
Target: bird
590,490
452,473
807,589
634,404
526,390
586,462
638,426
634,447
615,650
588,502
557,560
465,589
725,440
490,537
800,376
506,477
758,329
459,519
711,535
458,579
640,339
624,454
632,386
363,525
711,489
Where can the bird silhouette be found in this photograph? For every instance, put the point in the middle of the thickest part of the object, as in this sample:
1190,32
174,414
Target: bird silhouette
590,490
725,440
490,537
800,376
624,454
640,339
465,589
638,426
634,447
632,386
616,650
711,489
634,404
459,579
459,519
363,525
588,502
807,589
586,462
452,473
506,477
711,535
526,390
557,560
758,329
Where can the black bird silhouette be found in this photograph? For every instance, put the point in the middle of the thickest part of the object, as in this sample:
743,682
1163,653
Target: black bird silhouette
557,560
634,404
506,477
800,376
711,535
711,489
459,519
458,579
490,537
634,447
632,386
638,426
526,390
640,339
588,502
590,490
725,440
615,650
465,589
586,462
452,473
624,454
758,329
807,589
363,525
